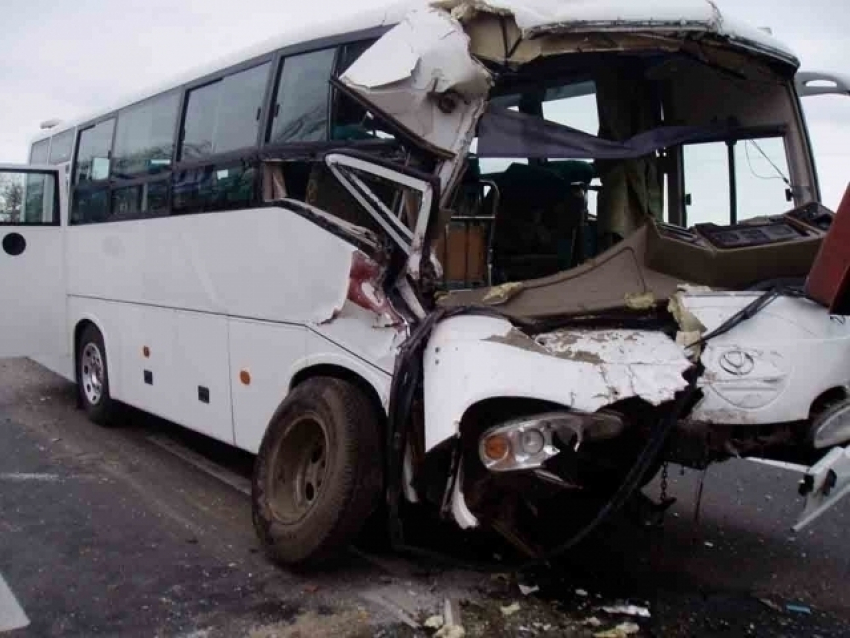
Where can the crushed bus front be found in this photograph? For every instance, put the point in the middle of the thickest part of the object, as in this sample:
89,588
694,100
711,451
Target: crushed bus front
578,353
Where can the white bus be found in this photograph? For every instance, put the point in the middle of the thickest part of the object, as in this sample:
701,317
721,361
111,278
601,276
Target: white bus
457,256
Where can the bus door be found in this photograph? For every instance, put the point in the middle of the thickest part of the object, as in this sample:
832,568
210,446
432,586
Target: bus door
32,262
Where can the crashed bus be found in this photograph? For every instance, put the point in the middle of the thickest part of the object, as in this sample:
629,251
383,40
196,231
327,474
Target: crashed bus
383,258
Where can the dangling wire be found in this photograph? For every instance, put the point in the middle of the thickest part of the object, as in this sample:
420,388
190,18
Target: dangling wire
779,173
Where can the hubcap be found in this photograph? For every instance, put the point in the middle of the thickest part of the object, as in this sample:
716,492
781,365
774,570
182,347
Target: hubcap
91,373
299,470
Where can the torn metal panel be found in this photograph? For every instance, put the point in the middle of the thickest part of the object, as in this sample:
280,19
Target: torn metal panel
534,18
364,290
495,36
360,237
422,75
346,166
582,369
364,321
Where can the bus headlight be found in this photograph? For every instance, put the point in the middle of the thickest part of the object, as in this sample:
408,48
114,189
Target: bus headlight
526,443
522,444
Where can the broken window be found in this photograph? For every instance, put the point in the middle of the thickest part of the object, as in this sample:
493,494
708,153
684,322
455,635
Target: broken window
351,120
519,214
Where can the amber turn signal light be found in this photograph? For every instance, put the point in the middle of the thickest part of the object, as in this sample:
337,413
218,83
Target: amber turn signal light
496,447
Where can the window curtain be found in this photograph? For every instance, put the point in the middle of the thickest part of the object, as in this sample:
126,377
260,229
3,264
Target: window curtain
631,188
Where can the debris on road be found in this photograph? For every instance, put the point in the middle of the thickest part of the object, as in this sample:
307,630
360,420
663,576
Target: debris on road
620,631
433,622
798,609
451,631
770,604
451,612
527,590
627,610
510,610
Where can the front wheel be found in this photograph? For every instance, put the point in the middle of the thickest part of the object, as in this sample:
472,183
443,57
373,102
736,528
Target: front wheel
317,476
93,377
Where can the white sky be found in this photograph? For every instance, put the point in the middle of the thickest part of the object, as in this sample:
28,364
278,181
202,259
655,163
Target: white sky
61,60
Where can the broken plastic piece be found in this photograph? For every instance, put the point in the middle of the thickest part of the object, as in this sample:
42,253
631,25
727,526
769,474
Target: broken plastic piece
502,294
687,321
451,631
620,631
528,589
510,610
433,622
627,610
640,301
798,609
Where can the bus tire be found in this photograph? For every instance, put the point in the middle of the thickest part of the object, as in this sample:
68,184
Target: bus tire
93,377
318,474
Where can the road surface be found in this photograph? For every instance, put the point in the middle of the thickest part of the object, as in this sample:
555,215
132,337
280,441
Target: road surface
144,530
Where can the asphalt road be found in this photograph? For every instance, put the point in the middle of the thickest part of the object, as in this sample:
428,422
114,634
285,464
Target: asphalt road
105,533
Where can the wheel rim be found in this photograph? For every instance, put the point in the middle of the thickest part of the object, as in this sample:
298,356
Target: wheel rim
92,373
299,470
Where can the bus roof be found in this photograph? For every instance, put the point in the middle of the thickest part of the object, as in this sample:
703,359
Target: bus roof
533,17
536,17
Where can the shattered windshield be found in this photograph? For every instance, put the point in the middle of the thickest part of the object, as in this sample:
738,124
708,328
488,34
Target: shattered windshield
578,151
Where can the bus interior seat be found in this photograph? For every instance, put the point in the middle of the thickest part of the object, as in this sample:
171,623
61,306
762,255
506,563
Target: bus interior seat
538,219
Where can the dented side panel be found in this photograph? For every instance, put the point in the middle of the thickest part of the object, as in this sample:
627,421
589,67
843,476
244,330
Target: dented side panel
470,359
772,367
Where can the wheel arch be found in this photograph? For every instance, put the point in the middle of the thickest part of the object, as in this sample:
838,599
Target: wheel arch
80,325
337,368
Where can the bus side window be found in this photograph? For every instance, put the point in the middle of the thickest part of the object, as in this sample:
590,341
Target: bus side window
300,108
91,186
144,138
213,188
38,152
224,115
62,147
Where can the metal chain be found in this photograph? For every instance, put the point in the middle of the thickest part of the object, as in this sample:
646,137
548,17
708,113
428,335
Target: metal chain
664,474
